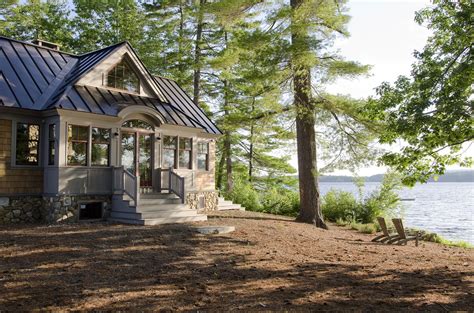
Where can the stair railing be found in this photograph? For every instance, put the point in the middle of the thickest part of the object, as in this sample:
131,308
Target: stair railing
126,183
176,185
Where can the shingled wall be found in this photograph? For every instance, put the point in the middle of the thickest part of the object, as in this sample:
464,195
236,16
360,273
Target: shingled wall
14,181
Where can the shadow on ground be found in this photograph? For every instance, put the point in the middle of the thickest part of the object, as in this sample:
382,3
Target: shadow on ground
104,266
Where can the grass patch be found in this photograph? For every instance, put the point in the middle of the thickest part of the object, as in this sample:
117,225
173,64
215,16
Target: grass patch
369,228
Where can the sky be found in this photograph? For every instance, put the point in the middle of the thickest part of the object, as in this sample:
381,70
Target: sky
384,35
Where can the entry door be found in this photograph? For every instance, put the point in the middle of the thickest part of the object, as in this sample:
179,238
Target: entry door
137,156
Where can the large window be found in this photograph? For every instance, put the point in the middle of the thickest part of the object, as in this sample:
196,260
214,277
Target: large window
123,77
78,141
203,156
51,144
100,146
27,144
185,152
169,151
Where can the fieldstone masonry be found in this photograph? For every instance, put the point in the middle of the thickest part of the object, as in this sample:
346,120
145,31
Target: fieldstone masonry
21,209
210,200
37,209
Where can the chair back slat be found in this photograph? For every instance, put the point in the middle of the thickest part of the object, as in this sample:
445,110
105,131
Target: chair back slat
383,225
397,222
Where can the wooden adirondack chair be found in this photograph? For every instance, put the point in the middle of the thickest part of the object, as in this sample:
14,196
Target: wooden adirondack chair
402,236
385,233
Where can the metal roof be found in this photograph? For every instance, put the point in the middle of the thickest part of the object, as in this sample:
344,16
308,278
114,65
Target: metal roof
38,78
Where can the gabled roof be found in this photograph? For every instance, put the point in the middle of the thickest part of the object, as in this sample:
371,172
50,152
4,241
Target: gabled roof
38,78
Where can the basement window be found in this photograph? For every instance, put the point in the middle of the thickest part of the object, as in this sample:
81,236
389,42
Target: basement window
90,211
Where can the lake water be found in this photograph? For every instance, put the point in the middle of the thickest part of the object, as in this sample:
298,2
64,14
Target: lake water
443,208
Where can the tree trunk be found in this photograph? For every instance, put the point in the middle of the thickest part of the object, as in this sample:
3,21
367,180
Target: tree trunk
197,55
251,138
227,142
220,170
310,209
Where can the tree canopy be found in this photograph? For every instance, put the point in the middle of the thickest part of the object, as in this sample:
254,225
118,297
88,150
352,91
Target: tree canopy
432,111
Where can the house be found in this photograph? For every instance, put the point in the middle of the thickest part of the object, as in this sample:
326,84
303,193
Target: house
98,136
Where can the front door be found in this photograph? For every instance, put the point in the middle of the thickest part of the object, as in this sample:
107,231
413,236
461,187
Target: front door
137,157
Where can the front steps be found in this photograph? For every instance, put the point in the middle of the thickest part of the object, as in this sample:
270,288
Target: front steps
224,205
153,209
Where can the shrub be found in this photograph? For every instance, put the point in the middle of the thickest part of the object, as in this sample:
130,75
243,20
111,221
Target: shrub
339,205
281,201
245,194
369,228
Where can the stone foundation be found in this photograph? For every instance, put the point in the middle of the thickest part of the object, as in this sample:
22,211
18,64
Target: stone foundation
21,209
54,209
210,198
65,209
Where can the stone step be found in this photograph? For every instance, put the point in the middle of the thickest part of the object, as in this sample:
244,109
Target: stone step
159,221
159,196
142,207
160,201
230,207
153,214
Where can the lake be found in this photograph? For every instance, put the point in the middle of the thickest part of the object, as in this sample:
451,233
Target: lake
444,208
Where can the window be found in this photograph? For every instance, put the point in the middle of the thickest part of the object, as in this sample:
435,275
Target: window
203,156
123,77
137,124
100,146
78,140
185,152
27,144
51,144
169,151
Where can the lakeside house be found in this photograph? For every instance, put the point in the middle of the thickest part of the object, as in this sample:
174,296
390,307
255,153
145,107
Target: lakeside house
98,136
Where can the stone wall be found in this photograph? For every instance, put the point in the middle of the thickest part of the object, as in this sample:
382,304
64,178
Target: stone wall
210,200
57,209
17,180
14,209
65,208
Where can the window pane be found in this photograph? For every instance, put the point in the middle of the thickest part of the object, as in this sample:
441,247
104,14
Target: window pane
185,143
52,131
168,158
27,144
202,161
203,147
123,77
185,159
100,154
170,142
51,153
100,135
137,124
128,152
77,153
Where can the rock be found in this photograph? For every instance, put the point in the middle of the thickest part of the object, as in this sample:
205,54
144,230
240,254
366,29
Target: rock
4,201
209,230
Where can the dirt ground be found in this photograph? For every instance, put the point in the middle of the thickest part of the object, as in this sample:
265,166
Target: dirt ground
268,263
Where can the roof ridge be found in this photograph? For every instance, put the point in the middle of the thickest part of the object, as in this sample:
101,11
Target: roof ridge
38,46
101,49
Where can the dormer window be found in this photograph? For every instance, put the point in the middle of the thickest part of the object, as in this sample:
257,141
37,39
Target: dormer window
123,77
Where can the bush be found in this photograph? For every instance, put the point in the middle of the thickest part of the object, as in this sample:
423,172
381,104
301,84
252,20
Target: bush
281,201
244,194
343,206
339,205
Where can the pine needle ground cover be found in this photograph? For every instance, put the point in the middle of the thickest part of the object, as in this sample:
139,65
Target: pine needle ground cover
268,263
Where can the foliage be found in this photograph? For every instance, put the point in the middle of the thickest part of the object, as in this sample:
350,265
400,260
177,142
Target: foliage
432,110
369,228
342,206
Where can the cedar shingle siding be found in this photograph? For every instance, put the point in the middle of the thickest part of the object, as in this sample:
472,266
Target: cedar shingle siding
19,180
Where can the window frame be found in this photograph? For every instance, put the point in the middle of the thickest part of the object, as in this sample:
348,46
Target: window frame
105,77
81,141
92,143
171,149
200,153
190,151
14,147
